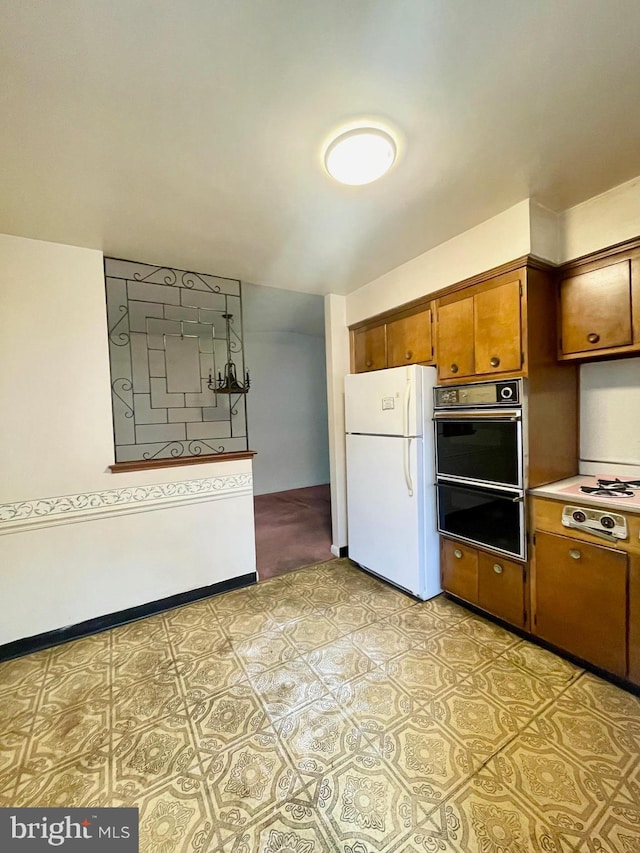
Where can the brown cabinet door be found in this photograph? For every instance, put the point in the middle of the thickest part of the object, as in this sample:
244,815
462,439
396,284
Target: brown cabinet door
501,588
581,600
459,565
595,309
455,339
370,349
496,329
409,339
634,618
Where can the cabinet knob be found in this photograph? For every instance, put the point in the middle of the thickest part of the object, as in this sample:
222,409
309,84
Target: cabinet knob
494,361
575,554
368,363
408,354
457,554
454,368
593,338
497,568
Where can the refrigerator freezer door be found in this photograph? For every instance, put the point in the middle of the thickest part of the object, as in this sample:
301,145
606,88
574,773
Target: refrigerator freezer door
392,533
384,402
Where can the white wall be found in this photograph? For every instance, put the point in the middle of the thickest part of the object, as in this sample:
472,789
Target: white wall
610,416
601,221
337,336
545,232
56,440
287,403
494,242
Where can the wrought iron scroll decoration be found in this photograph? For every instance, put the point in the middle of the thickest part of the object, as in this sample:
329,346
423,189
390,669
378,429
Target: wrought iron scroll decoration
163,403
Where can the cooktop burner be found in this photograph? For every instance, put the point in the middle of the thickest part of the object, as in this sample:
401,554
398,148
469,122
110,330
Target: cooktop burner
606,492
612,488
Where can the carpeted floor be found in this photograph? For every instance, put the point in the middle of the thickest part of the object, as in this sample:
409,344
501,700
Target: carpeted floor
293,529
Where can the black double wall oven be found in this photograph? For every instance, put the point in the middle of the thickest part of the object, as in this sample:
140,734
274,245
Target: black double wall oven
480,464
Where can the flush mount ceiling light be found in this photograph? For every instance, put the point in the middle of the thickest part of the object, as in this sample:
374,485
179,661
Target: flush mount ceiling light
360,156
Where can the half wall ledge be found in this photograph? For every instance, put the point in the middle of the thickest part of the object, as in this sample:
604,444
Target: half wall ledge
147,464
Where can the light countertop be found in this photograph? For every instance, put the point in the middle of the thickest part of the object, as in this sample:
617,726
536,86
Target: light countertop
569,491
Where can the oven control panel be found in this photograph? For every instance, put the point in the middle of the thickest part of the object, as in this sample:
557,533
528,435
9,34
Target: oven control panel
601,523
474,394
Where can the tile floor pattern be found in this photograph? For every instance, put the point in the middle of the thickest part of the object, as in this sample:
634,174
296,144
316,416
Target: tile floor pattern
324,711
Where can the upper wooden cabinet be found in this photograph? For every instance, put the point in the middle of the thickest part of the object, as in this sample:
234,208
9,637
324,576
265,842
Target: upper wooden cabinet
599,314
479,329
496,328
369,349
455,339
409,339
405,338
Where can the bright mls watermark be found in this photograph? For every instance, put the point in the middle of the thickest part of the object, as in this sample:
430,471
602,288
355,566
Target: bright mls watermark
72,830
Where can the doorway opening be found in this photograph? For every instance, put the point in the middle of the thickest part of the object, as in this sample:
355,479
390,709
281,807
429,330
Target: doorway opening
284,342
293,529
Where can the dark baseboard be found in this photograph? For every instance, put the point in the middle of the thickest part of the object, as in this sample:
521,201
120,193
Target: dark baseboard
17,648
629,686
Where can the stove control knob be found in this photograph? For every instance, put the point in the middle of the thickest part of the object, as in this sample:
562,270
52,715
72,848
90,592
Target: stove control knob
579,516
608,522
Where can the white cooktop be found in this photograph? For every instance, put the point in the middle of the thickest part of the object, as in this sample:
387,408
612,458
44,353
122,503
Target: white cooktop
569,490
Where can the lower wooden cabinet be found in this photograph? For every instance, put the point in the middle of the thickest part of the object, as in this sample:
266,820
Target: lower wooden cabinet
634,618
459,570
501,588
581,600
491,583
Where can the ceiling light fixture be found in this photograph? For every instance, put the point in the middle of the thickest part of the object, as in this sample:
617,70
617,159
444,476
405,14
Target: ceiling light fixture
360,156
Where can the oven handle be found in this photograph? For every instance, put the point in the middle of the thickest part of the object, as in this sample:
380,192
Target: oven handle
465,415
519,498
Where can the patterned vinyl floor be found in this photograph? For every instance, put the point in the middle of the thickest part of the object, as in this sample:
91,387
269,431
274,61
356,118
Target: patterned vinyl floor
324,711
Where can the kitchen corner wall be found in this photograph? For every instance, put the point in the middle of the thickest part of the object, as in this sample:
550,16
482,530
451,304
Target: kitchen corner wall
76,541
609,390
494,242
527,227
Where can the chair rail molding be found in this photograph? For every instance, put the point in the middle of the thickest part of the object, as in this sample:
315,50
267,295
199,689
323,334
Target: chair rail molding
68,509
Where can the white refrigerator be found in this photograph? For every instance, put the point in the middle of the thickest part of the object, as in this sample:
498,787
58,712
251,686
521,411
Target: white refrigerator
391,503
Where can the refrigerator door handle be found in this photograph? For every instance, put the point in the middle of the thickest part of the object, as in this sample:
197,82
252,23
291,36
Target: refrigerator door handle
407,404
407,466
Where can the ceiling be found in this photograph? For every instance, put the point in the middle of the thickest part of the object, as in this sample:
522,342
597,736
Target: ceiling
189,133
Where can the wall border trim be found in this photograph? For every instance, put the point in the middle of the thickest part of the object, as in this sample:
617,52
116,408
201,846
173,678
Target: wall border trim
68,509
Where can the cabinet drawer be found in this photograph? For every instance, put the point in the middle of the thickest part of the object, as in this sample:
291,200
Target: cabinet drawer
460,570
581,600
501,588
